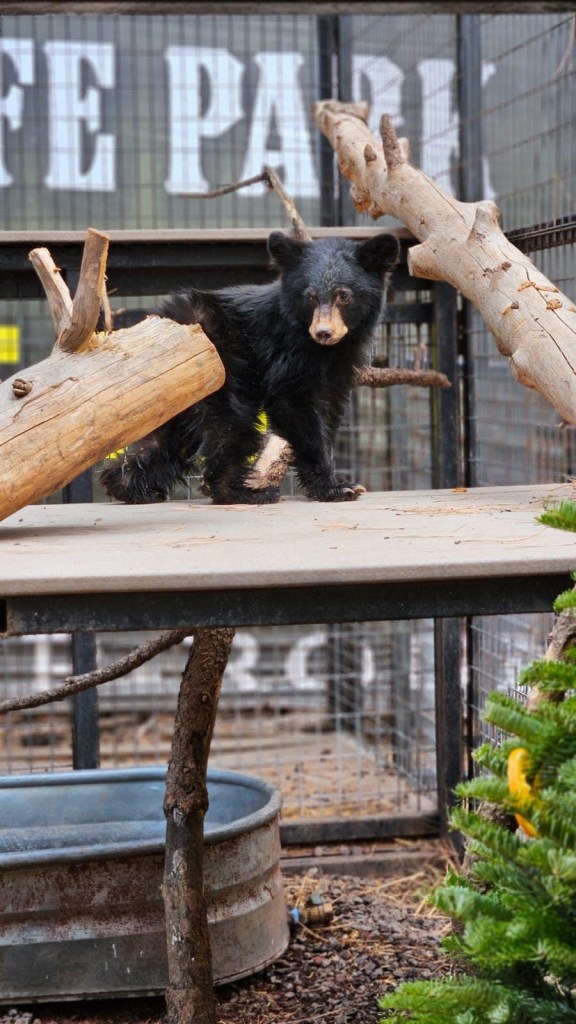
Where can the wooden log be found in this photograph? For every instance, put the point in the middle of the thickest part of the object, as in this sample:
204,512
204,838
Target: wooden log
78,407
533,323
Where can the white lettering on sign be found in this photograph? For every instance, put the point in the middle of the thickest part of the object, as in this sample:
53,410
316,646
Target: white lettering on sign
248,669
20,52
279,110
205,100
189,124
297,661
74,111
240,671
384,80
440,122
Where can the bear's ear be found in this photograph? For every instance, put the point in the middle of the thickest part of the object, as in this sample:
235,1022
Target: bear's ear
379,254
285,252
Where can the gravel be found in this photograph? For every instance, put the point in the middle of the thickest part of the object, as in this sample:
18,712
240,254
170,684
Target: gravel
357,939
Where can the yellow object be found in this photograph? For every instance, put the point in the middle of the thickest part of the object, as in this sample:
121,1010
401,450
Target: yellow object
9,343
518,784
262,422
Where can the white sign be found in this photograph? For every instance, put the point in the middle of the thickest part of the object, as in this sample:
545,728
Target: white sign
277,124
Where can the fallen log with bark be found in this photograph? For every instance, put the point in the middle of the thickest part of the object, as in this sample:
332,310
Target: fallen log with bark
98,390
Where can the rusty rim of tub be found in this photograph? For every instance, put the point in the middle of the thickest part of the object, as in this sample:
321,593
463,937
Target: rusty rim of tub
145,836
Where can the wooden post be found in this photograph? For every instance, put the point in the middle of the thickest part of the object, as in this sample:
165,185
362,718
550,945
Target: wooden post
190,996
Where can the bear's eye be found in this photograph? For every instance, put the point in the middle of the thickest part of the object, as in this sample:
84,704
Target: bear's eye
311,295
344,295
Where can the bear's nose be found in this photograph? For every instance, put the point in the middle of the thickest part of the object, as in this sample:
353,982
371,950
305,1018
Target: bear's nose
323,334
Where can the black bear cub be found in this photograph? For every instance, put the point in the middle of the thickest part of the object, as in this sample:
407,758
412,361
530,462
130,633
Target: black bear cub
289,348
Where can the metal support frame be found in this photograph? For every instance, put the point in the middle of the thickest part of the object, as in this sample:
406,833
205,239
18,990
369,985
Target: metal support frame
284,7
344,649
471,187
447,472
274,606
469,100
85,722
85,719
327,79
334,36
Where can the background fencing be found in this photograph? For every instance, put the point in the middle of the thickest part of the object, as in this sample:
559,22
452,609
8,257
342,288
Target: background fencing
112,121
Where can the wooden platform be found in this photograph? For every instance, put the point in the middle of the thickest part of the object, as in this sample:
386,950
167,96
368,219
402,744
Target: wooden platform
404,537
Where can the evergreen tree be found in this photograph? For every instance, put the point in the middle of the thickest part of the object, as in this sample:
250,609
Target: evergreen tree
516,907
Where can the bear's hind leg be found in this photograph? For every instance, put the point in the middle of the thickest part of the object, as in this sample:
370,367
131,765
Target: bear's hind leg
149,470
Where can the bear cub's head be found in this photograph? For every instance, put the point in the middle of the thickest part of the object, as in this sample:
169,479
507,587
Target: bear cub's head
333,286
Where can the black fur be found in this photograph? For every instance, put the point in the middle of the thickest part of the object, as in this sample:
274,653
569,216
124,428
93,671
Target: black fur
262,334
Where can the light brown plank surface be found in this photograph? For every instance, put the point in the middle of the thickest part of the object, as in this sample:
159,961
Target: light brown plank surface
408,535
195,235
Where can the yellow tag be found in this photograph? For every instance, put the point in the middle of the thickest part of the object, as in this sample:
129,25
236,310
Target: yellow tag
262,422
116,455
9,343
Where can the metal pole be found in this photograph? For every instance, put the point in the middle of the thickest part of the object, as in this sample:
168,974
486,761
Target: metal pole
326,41
85,724
445,473
471,189
346,211
449,745
470,185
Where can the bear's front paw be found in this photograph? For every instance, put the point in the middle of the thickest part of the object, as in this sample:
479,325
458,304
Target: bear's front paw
341,491
131,488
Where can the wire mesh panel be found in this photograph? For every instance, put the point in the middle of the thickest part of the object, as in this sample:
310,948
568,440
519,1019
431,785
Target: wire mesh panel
114,121
326,715
404,65
341,717
528,125
528,120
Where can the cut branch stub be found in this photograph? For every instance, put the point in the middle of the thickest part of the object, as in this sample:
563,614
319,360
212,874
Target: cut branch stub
533,323
59,298
88,298
74,321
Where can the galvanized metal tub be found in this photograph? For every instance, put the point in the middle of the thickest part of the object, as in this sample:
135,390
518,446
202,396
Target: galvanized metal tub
81,864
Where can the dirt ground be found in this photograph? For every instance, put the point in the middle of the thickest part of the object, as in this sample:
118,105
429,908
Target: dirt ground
358,938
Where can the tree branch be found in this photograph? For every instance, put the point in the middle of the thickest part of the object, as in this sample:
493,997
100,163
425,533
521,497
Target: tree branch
189,995
387,377
298,225
534,325
59,298
77,684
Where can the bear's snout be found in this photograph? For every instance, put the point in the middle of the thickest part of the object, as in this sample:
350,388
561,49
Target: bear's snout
327,327
323,335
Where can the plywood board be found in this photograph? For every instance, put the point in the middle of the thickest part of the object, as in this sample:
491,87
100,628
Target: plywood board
400,536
